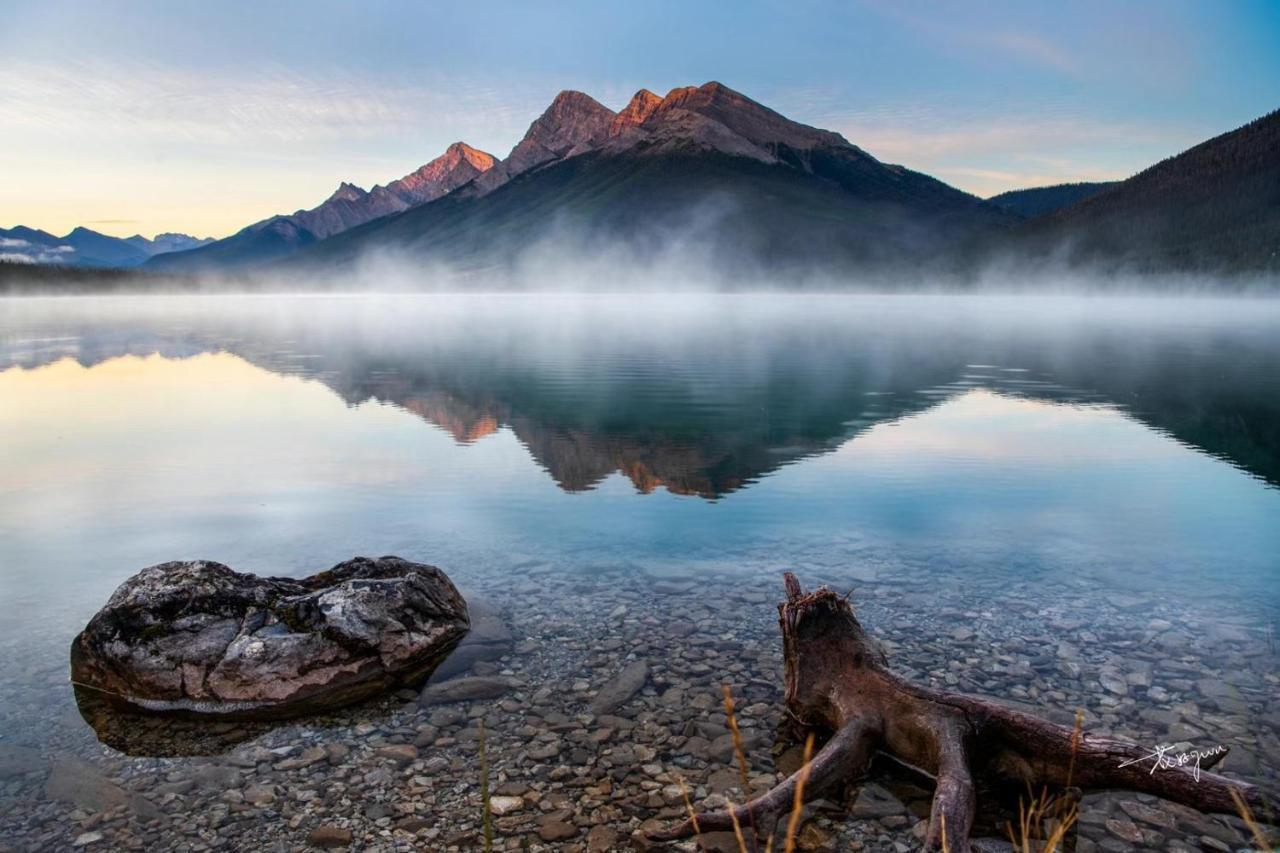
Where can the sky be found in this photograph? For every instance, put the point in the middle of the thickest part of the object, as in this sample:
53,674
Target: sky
142,117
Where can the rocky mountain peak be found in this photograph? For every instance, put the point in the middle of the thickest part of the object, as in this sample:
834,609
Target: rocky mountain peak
636,112
460,152
751,120
572,119
574,122
347,192
459,164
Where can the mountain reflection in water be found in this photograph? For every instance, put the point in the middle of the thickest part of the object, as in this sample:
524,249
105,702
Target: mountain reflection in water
706,396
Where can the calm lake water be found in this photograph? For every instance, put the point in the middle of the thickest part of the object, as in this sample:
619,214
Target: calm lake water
1101,474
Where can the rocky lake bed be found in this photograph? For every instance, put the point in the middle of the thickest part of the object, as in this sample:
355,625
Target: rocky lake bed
598,695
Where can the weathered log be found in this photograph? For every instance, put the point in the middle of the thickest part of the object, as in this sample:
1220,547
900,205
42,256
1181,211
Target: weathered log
837,679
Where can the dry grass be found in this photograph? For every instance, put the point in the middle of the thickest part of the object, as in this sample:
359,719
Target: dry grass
1246,813
741,755
688,806
1043,823
737,738
486,818
737,828
1075,744
797,803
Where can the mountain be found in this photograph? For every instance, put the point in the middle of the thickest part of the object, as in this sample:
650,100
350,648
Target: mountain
705,180
84,247
573,123
99,250
347,207
167,242
704,168
1037,201
31,235
24,245
1214,208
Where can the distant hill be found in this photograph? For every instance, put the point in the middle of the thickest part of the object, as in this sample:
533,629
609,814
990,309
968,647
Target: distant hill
705,169
167,242
347,207
84,247
1037,201
1213,208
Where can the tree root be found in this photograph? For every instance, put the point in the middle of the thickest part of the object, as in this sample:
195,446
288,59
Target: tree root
838,680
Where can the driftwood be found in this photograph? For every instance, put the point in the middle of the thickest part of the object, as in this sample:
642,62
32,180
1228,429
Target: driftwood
837,680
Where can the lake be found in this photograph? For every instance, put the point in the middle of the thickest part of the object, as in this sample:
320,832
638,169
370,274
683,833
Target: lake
1068,502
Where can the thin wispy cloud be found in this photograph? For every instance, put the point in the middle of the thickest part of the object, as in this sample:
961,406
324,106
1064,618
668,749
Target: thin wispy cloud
940,138
987,148
1029,46
1024,45
266,104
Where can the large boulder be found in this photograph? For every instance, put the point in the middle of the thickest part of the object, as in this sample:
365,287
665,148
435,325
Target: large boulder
200,638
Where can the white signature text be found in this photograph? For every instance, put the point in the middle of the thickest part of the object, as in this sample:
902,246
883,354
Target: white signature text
1164,758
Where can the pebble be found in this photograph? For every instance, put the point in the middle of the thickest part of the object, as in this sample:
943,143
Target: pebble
505,805
467,688
329,837
555,829
615,693
401,753
1125,830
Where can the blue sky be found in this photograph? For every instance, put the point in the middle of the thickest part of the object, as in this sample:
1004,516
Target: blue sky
203,117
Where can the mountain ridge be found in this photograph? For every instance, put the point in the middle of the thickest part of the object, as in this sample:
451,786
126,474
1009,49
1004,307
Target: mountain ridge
1039,201
787,194
347,207
85,247
1213,208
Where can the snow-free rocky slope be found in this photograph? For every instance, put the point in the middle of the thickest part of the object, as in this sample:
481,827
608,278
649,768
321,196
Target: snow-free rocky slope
704,170
347,207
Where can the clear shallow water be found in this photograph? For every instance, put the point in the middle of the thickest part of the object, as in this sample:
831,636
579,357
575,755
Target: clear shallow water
1053,447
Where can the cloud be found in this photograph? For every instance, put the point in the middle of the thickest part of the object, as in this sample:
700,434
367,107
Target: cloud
994,149
989,182
932,134
252,107
1030,47
1026,46
30,253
